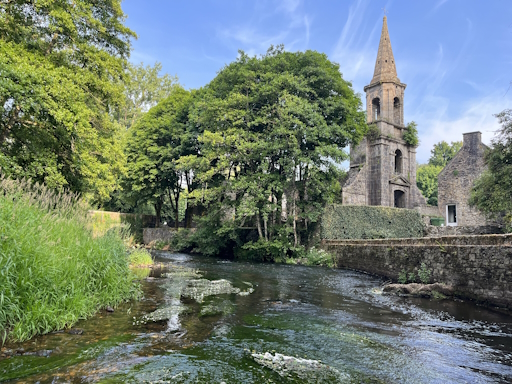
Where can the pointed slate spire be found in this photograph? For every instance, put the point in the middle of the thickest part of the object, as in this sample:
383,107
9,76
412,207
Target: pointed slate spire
385,69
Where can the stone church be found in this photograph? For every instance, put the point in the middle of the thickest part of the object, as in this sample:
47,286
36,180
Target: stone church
383,166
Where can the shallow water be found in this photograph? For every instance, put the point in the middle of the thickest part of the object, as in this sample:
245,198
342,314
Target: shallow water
334,316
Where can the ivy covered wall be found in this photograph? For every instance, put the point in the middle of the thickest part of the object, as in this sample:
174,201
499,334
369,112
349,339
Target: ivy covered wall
370,222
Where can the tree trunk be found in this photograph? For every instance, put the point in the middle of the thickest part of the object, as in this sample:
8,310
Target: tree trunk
158,211
258,225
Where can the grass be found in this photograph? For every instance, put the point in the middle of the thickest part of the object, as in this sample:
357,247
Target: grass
53,271
140,257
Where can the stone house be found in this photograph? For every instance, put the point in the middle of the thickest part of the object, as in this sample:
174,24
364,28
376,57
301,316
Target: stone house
456,180
383,166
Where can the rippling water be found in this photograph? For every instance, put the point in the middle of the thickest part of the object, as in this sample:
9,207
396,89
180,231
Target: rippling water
334,316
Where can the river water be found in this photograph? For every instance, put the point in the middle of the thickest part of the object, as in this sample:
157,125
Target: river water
334,316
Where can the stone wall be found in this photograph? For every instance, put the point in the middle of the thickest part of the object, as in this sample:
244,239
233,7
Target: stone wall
434,231
151,235
456,180
477,267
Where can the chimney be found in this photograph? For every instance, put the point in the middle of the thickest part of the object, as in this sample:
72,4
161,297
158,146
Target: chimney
471,141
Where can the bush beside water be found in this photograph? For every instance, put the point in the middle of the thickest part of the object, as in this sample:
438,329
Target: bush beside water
53,272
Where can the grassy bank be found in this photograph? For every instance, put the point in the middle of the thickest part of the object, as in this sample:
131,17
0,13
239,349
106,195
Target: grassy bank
53,272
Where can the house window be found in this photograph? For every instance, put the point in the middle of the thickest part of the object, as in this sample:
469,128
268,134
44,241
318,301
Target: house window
451,215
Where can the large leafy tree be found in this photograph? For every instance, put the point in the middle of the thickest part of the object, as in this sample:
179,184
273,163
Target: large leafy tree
492,192
144,89
271,128
426,180
154,146
443,152
62,70
426,174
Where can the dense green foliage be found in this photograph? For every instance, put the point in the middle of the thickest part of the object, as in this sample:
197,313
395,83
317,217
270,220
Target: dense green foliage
365,222
443,152
410,134
426,174
426,180
269,129
130,223
154,147
53,271
144,88
493,190
62,70
140,257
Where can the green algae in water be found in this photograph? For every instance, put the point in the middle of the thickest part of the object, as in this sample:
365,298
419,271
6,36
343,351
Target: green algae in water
18,367
224,307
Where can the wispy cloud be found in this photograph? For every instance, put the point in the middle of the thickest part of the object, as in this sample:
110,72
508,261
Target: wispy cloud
356,49
438,5
478,115
258,33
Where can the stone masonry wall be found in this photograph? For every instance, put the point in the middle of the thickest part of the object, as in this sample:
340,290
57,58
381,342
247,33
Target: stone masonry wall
478,267
151,235
456,180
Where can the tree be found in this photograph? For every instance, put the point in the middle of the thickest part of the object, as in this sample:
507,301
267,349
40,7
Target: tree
492,192
144,89
443,152
426,180
62,67
269,130
426,174
154,146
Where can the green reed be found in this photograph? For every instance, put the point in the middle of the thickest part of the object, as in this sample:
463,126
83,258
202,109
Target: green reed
52,271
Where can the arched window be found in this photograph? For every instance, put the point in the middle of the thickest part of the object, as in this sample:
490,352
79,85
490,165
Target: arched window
376,109
398,161
396,110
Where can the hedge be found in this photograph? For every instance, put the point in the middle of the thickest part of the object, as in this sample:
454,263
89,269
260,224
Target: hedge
364,222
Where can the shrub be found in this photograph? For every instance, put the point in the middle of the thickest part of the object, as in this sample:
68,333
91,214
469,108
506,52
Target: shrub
411,134
53,271
364,222
140,257
424,274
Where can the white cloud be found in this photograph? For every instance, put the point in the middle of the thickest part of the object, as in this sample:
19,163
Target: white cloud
254,37
477,116
356,49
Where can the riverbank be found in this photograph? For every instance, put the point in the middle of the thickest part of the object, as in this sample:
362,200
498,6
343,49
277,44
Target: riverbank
54,271
477,267
321,318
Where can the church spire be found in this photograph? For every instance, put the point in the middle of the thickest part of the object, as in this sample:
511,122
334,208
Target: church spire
385,69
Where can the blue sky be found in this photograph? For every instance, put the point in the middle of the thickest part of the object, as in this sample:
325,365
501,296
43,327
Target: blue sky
454,55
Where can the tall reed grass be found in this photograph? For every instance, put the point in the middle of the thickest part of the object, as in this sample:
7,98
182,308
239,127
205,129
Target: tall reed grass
52,271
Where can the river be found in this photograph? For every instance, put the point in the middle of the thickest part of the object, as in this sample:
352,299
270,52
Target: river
340,319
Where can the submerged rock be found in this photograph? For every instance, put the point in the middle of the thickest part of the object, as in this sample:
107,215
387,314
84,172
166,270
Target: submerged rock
76,331
421,290
170,314
212,309
201,288
306,369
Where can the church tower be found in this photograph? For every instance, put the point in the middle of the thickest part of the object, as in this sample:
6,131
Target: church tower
383,165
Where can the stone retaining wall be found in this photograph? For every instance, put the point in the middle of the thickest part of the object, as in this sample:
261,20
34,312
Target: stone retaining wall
468,230
477,267
151,235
